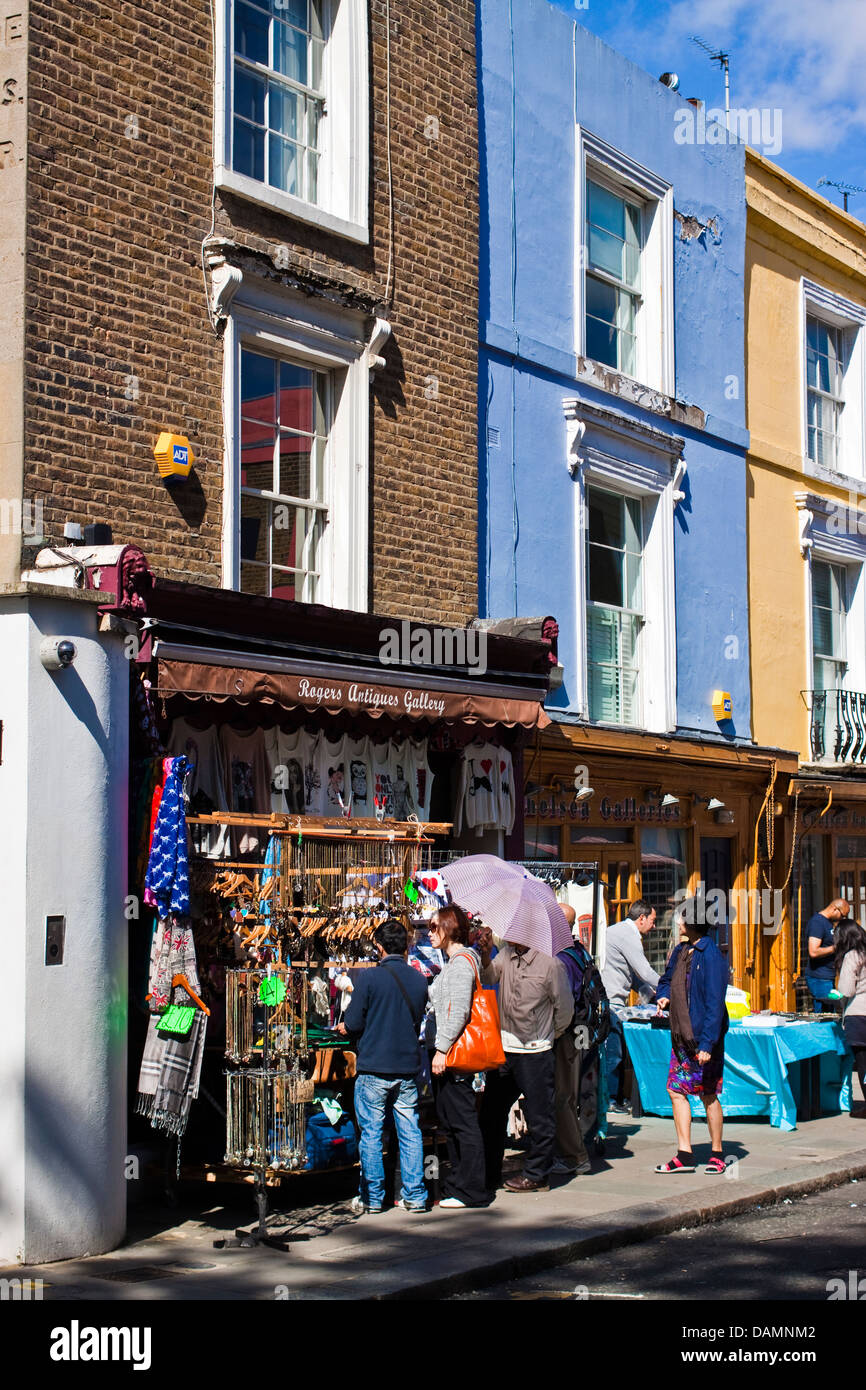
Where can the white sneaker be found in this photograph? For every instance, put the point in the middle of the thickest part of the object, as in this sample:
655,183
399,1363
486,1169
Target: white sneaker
451,1203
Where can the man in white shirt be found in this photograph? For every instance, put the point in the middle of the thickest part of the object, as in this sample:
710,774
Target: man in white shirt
626,968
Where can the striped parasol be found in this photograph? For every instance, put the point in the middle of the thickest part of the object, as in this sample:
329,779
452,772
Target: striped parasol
510,900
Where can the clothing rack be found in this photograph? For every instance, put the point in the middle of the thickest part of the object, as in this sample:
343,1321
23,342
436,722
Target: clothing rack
558,871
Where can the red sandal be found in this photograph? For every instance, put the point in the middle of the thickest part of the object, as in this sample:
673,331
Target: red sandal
674,1166
716,1165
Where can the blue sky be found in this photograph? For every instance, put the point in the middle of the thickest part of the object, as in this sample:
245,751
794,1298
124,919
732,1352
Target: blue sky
806,60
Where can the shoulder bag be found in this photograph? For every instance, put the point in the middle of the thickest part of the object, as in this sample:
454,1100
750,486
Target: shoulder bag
479,1047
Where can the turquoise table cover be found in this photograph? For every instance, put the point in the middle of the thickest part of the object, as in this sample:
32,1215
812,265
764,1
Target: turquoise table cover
762,1068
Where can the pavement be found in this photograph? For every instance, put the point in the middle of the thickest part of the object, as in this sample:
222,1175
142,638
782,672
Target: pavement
170,1254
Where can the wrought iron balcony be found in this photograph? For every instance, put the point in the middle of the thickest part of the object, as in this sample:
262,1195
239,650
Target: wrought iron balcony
837,726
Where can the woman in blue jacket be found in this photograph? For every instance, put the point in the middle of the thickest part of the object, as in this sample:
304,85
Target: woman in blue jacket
695,986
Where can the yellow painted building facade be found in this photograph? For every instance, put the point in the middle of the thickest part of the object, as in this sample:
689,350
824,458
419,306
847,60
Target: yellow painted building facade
805,286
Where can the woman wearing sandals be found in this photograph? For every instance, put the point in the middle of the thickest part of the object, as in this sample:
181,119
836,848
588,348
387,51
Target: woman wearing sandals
695,985
451,996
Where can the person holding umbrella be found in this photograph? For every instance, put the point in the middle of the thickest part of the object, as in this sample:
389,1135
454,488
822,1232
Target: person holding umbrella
535,1007
536,1004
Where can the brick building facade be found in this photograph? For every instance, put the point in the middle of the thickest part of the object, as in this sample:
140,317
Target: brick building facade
120,246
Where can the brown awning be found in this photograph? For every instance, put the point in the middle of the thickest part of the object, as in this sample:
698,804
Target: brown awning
335,695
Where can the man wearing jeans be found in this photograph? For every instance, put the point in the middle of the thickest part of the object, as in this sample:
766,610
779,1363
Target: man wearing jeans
820,973
383,1020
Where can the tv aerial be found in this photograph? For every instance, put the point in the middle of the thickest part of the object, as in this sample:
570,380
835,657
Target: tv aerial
844,189
717,55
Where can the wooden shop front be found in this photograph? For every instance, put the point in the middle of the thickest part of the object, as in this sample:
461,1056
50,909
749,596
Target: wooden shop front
667,818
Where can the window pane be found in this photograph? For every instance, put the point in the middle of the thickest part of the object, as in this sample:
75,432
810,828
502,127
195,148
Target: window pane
248,152
255,517
317,51
254,580
284,165
605,209
251,33
257,464
290,53
293,11
605,517
286,537
606,252
249,95
285,111
284,586
295,465
258,387
296,397
605,575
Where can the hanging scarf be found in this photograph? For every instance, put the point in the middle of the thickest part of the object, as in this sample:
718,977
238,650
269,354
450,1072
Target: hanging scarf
171,1067
682,1039
168,866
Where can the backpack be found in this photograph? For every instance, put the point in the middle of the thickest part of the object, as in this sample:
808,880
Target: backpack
591,1023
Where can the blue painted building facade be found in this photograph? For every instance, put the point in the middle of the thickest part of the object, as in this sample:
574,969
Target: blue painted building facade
612,468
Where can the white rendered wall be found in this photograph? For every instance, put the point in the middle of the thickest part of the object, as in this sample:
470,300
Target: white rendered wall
66,738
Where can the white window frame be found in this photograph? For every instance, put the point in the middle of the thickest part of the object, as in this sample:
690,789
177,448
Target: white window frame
603,164
835,533
656,484
837,312
343,193
314,334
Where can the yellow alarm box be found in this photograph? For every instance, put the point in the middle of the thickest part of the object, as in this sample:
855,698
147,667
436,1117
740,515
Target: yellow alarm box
174,457
723,705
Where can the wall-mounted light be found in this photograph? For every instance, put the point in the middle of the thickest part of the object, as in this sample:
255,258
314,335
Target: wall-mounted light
714,804
583,793
670,800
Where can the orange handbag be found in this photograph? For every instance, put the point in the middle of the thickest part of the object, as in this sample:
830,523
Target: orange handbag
479,1047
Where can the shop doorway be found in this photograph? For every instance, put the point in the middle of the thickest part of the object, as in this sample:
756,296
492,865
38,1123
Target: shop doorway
716,876
615,853
850,876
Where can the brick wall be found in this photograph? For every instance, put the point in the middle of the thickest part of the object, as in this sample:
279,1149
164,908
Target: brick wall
119,344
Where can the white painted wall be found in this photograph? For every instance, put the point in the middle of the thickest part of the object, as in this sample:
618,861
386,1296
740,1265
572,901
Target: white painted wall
63,812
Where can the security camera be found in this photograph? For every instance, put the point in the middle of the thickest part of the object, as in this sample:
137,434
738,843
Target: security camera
56,653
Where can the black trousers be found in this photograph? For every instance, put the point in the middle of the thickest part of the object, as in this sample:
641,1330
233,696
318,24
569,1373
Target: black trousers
530,1074
458,1115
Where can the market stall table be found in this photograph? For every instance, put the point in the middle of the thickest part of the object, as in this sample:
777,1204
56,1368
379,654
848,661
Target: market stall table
775,1067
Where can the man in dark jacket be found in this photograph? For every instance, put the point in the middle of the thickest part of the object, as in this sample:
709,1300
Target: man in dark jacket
695,986
384,1019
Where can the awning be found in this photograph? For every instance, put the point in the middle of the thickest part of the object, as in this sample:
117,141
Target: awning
351,693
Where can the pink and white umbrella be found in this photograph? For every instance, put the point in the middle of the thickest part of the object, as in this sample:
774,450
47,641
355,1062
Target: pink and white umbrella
510,900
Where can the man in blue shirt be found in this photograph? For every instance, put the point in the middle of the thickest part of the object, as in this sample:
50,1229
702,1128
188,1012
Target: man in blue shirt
384,1019
820,973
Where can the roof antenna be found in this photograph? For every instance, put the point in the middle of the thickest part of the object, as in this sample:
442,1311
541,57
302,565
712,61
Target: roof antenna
716,55
844,189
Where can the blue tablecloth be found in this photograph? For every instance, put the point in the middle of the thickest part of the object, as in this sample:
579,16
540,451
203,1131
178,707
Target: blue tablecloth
762,1068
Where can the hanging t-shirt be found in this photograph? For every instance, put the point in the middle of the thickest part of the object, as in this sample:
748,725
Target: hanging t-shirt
247,782
383,776
477,793
332,794
411,779
288,757
204,787
505,790
359,776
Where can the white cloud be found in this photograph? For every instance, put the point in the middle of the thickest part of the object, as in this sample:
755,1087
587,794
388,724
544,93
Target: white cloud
809,61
